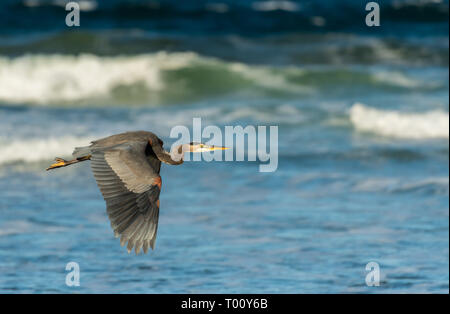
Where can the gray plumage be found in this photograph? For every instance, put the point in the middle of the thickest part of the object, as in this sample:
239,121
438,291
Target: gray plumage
126,167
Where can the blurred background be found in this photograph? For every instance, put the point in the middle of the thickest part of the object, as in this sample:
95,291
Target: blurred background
363,117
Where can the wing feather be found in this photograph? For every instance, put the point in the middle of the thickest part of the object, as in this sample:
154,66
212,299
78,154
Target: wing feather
129,181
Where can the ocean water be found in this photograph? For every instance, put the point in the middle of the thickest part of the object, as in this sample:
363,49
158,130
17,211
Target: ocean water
363,151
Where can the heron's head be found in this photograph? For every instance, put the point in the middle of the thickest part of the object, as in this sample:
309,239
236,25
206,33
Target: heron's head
200,147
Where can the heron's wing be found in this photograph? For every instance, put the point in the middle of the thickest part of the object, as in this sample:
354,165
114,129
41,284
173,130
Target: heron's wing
130,185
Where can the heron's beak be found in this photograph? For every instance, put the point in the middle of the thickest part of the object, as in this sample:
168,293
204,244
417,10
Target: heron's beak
217,148
200,148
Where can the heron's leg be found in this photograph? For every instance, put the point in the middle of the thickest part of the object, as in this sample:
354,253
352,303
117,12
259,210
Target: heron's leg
63,163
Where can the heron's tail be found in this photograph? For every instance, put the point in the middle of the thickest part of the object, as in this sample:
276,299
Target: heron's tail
63,163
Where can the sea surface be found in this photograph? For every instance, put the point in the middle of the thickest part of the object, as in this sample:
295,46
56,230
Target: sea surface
363,144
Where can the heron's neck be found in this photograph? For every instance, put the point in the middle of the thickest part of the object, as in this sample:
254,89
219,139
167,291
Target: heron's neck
175,157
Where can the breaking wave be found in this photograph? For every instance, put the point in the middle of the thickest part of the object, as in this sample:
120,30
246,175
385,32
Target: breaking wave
48,79
432,124
162,78
33,150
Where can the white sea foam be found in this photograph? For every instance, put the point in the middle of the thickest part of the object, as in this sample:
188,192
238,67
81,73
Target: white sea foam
432,124
30,150
87,78
42,79
54,79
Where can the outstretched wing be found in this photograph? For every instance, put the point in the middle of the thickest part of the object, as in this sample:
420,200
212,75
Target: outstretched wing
130,183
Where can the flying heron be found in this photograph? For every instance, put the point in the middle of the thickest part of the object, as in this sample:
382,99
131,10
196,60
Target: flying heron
126,167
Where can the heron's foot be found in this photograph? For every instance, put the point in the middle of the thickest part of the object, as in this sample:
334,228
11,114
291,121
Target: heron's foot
62,162
59,163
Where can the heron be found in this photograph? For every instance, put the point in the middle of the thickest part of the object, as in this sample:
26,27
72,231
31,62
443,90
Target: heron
126,167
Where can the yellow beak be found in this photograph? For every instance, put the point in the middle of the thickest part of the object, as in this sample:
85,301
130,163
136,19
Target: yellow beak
218,148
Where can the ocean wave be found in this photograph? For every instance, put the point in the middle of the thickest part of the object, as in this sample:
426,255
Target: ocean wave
58,78
432,185
14,227
396,79
432,124
32,150
263,16
44,79
163,77
284,49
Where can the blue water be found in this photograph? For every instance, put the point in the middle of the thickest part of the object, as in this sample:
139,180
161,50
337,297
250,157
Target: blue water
363,159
